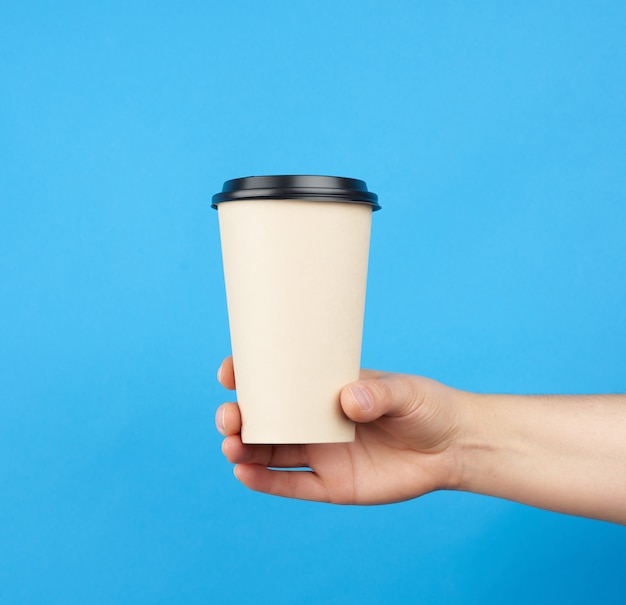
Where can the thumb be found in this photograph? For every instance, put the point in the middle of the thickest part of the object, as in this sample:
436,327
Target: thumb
388,395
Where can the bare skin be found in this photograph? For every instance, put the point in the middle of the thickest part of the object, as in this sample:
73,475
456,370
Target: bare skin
415,435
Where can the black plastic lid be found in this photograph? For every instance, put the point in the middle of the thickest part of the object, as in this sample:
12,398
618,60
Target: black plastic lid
297,187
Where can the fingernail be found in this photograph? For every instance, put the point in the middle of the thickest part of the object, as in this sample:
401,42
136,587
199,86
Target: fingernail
219,374
219,421
363,398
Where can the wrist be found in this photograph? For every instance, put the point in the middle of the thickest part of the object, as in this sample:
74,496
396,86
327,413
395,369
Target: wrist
477,442
465,439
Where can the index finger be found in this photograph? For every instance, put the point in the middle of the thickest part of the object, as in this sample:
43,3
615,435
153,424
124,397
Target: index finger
226,374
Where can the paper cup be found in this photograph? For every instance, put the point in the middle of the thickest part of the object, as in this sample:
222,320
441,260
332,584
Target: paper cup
295,253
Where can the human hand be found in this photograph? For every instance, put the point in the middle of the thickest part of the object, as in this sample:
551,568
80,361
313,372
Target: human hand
406,431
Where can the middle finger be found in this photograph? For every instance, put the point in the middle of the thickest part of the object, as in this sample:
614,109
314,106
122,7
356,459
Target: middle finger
278,456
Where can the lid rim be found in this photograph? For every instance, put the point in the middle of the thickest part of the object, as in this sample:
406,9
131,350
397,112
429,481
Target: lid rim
296,187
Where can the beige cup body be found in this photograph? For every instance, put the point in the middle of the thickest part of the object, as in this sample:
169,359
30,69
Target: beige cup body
295,274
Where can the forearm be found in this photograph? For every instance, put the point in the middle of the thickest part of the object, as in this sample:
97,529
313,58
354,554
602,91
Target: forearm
562,453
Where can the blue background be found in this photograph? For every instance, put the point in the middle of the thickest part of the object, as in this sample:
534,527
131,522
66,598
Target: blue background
495,136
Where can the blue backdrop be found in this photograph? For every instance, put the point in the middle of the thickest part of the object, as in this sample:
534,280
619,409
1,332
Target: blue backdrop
495,136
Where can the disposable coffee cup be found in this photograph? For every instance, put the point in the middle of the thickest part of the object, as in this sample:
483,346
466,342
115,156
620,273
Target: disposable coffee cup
295,253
